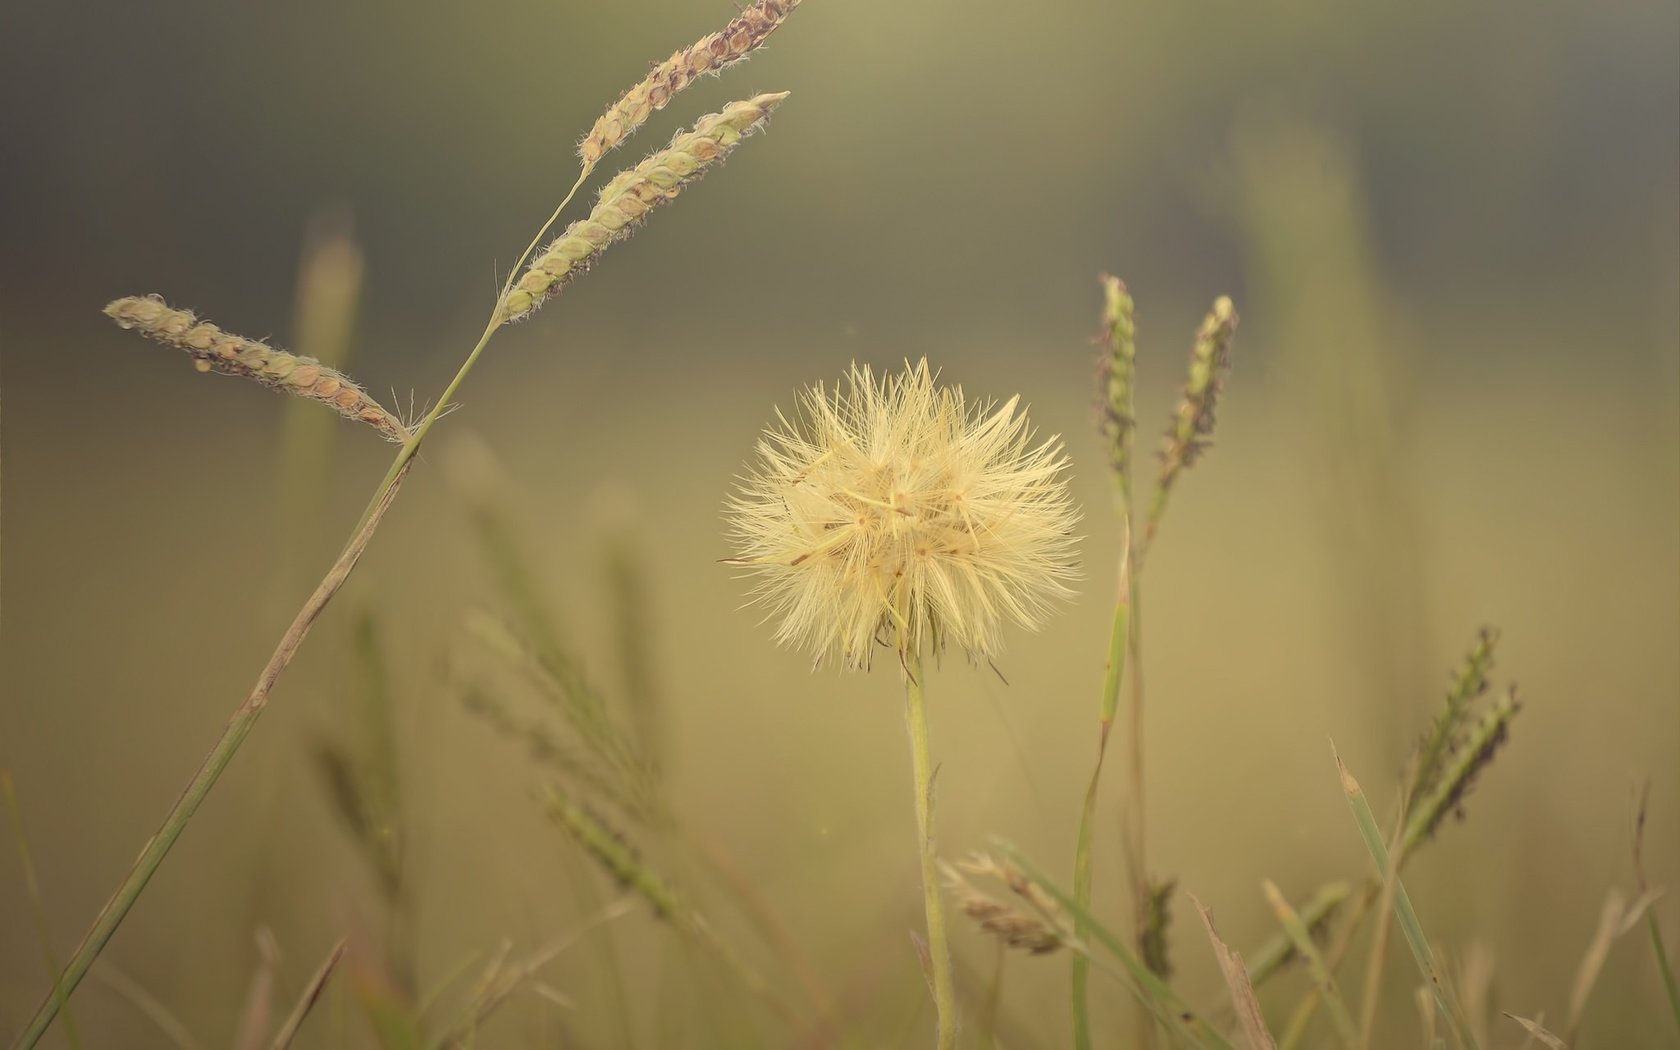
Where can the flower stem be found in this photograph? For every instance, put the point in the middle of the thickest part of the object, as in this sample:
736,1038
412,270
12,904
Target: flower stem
939,954
245,716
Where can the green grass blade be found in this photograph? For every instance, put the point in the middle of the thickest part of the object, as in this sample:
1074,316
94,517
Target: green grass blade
1301,938
1403,911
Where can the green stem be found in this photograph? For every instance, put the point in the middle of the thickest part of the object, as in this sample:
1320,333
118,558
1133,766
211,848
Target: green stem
246,715
1662,962
939,953
1113,674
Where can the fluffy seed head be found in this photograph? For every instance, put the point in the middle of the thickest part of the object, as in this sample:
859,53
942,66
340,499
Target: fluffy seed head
894,512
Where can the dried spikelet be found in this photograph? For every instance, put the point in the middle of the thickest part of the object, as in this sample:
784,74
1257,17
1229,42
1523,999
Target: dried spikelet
214,350
708,55
631,194
1192,425
1118,375
1466,760
1015,928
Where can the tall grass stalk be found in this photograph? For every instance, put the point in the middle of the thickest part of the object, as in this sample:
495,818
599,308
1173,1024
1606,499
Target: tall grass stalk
37,907
664,186
1119,365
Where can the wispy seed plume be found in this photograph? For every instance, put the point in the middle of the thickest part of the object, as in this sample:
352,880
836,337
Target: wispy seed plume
214,350
633,193
708,55
897,513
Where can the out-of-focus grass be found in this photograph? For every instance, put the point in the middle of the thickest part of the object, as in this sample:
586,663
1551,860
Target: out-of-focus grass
1395,469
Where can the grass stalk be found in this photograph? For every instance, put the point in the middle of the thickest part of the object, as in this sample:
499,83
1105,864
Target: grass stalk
921,764
288,1030
1118,423
1119,643
245,717
32,885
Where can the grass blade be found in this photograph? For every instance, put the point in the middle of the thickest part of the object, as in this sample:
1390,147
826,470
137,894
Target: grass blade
1403,911
1236,980
1664,967
1300,938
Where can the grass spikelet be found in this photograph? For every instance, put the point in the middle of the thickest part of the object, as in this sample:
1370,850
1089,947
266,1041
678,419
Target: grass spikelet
1119,372
1010,925
709,55
614,853
1464,763
1191,430
633,193
1152,939
214,350
1470,683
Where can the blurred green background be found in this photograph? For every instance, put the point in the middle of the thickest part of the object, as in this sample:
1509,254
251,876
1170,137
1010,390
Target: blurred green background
1453,235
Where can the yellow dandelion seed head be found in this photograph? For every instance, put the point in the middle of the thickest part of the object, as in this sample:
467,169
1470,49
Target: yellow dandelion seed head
891,512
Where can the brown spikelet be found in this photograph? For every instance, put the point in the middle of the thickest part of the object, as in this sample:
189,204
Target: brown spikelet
631,195
214,350
1009,924
708,55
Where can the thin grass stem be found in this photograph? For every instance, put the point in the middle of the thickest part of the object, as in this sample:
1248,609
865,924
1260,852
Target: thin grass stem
37,909
311,994
921,763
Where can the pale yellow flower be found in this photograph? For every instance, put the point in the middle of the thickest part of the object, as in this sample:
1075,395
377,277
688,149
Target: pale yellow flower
894,514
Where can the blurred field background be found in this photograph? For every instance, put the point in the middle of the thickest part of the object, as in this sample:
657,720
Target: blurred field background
1453,235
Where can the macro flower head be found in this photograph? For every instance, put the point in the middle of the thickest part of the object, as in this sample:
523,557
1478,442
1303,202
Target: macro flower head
892,513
